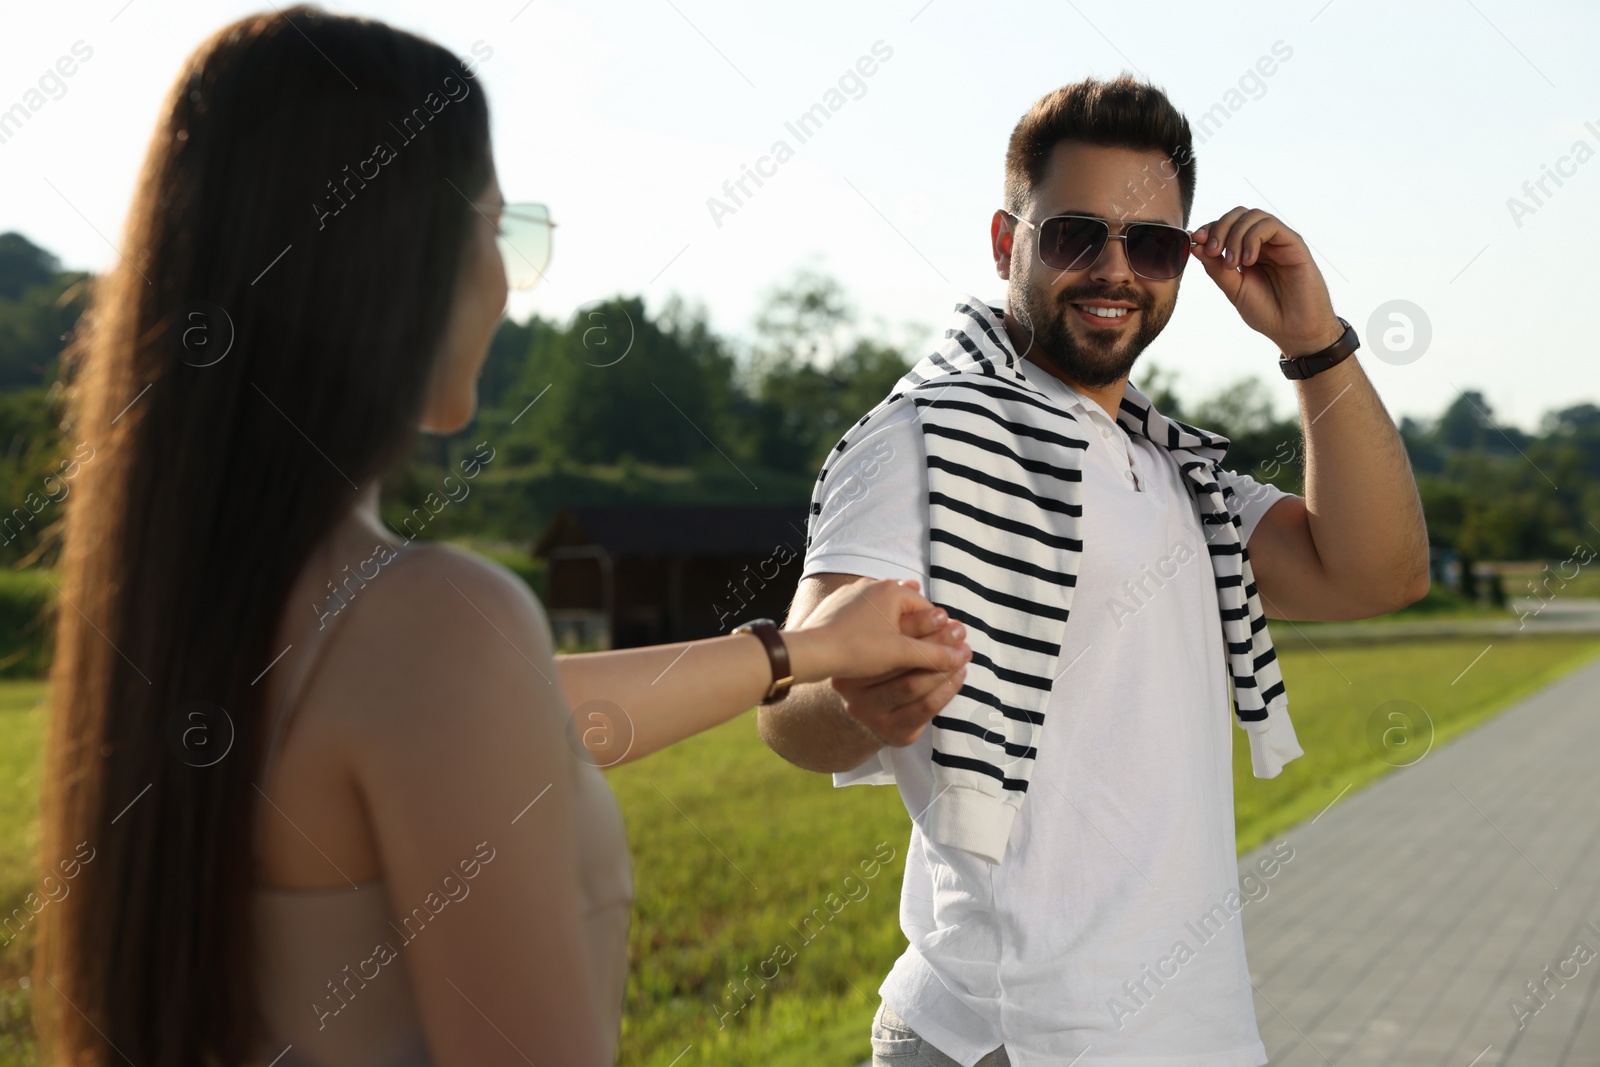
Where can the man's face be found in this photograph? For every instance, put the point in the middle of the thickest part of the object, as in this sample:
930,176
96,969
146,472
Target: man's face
1049,306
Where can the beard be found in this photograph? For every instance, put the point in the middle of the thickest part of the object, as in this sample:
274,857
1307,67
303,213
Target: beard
1097,358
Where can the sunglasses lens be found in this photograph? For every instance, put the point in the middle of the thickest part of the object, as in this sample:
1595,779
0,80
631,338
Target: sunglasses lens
524,242
1157,252
1070,243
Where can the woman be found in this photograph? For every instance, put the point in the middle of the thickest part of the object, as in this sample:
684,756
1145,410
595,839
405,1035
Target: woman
363,833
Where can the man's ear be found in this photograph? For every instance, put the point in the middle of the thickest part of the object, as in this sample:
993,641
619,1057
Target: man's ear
1001,236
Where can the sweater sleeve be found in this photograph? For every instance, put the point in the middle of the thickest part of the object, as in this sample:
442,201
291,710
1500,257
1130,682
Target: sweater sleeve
1272,743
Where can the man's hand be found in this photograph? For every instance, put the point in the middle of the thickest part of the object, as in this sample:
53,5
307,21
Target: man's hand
1267,273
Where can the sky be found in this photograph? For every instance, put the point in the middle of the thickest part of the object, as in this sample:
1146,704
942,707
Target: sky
1405,142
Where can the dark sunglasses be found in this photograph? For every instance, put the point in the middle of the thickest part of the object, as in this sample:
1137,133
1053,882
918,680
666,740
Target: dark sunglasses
1074,242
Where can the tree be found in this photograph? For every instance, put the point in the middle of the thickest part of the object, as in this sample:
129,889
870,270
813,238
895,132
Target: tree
23,266
1578,420
1160,385
802,323
1245,407
1467,423
1268,448
620,384
39,306
507,358
36,472
814,376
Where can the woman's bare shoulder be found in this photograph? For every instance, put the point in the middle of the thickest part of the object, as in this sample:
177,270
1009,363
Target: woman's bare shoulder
446,635
441,567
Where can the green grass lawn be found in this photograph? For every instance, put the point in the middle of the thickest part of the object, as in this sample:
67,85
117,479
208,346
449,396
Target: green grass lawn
22,723
734,848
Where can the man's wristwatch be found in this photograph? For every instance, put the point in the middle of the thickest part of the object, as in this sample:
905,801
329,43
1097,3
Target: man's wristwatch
777,656
1296,368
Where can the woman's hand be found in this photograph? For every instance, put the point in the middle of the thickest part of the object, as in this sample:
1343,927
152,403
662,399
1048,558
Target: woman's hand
873,628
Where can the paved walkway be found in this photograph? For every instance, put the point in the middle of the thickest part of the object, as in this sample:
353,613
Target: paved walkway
1416,908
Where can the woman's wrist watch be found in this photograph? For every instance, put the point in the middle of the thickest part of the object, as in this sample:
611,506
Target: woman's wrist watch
1296,368
777,656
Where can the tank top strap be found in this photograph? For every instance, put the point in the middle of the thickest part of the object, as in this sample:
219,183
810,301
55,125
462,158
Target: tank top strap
304,662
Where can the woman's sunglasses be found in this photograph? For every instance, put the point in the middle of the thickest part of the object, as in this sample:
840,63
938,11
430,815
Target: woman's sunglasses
1074,242
524,238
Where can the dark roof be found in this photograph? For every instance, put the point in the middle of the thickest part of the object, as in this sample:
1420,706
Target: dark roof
680,530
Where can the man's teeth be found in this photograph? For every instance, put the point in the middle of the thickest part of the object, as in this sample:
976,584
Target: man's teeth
1104,313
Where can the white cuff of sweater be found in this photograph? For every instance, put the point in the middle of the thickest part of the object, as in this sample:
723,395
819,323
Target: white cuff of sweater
1272,743
970,819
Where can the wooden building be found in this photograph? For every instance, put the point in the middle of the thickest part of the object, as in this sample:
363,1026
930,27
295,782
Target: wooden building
624,576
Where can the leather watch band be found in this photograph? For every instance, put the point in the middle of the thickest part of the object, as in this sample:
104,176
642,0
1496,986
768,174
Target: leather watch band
777,656
1298,368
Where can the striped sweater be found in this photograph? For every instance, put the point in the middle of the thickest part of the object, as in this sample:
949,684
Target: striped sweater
1005,468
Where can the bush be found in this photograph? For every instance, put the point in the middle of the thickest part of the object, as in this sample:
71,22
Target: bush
26,622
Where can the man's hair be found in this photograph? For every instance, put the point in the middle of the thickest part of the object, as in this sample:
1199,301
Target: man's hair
1121,113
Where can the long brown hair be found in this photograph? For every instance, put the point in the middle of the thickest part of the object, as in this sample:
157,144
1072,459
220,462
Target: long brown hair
264,349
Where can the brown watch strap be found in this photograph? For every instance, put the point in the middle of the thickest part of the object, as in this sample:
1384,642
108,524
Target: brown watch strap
777,656
1297,368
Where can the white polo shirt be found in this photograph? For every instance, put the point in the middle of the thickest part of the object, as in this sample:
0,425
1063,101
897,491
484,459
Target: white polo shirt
1125,842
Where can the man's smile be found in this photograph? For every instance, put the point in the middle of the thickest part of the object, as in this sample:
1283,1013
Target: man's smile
1105,314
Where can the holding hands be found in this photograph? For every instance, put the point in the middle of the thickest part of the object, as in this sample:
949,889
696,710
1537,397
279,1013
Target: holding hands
894,656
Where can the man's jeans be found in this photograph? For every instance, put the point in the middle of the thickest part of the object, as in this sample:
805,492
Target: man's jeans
894,1044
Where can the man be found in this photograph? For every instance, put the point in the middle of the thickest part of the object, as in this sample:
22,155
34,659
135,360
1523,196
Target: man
1096,553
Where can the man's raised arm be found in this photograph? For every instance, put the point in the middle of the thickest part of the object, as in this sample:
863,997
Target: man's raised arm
1356,545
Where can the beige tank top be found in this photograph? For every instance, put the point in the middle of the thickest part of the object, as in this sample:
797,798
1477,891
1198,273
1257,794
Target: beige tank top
331,963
